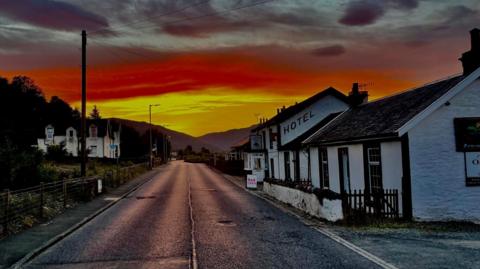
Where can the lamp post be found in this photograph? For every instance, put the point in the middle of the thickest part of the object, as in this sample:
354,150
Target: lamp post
150,129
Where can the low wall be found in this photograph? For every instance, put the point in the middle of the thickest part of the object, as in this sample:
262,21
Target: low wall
331,210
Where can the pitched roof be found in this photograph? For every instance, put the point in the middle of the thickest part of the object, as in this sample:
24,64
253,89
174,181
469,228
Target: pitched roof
383,117
292,110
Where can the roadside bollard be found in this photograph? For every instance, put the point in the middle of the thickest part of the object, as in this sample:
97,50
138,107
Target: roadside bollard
6,211
64,188
41,199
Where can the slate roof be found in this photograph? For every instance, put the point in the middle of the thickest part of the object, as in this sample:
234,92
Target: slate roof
292,110
383,117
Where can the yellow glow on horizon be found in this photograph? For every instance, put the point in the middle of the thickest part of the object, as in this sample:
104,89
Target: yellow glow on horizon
197,112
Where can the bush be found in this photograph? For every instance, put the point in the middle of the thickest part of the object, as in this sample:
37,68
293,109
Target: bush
56,153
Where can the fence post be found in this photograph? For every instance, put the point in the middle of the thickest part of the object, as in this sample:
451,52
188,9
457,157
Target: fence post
6,212
41,199
64,183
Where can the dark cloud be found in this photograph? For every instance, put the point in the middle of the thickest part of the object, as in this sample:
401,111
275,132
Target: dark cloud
329,51
51,14
362,13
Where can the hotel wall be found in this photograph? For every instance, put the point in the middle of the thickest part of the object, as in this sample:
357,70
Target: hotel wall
391,160
437,169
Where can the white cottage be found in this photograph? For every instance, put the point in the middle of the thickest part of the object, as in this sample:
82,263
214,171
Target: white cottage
274,144
103,139
423,142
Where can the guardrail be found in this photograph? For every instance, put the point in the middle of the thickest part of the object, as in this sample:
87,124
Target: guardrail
49,199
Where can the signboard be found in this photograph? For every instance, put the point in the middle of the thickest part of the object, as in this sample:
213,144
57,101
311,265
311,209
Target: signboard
256,142
472,168
467,134
99,186
251,181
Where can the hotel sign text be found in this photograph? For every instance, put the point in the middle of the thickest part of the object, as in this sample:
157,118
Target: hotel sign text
298,122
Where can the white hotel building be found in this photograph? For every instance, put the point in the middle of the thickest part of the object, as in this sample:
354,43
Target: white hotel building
423,143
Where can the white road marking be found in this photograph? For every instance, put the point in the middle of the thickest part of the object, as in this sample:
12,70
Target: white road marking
194,262
369,256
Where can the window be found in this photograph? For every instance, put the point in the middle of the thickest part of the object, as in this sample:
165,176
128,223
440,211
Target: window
374,168
296,166
258,163
272,173
264,139
286,158
272,137
70,133
323,163
50,132
93,131
93,150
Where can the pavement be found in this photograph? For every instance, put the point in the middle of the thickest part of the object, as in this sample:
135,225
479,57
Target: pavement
16,247
189,216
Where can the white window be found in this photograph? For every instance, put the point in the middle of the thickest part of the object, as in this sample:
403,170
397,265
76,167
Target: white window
374,168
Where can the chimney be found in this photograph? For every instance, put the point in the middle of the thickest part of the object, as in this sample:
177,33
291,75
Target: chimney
471,59
357,97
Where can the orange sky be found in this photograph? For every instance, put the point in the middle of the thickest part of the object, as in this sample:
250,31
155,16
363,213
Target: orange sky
212,69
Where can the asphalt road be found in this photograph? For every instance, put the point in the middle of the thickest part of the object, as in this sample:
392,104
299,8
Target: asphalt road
152,228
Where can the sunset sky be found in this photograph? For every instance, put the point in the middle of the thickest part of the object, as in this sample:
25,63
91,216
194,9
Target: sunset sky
217,65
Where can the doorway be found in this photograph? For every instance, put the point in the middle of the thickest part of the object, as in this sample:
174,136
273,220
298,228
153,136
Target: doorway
344,167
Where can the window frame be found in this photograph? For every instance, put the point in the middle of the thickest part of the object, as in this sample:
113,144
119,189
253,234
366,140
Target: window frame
323,168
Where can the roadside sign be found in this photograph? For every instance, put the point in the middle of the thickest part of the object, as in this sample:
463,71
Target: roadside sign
251,181
99,186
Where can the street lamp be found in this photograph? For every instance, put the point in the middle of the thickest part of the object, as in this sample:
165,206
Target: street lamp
150,144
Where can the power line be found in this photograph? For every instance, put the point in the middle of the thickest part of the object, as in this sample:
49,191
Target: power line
106,28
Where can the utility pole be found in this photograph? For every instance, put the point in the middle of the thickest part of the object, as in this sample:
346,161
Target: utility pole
84,105
150,153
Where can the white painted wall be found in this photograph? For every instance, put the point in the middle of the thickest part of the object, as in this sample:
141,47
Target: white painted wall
437,170
355,154
314,167
392,171
309,117
330,210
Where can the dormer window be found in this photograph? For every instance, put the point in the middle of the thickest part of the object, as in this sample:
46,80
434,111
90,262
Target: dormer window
93,131
49,132
70,133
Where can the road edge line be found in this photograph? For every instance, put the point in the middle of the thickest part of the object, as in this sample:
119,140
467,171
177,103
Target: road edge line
34,253
360,251
193,259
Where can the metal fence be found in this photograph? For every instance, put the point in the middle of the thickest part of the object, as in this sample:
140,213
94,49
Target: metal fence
49,199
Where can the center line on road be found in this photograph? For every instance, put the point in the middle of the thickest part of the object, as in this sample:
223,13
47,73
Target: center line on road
193,261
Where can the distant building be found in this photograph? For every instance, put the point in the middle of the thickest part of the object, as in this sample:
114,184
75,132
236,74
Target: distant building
103,139
237,151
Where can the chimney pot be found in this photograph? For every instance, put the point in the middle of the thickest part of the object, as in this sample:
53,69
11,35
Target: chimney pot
471,59
475,39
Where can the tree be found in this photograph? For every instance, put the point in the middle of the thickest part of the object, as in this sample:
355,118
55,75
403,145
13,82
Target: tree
95,114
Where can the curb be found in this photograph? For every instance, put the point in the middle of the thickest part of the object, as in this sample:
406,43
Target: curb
378,261
34,253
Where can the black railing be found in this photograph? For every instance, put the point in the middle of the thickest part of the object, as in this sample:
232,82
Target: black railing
379,203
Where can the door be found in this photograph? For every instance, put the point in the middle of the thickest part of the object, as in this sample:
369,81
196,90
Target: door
286,158
344,168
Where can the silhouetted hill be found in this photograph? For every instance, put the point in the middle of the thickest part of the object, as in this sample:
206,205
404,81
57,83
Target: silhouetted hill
179,140
224,140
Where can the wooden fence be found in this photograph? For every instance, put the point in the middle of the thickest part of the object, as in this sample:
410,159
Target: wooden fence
378,203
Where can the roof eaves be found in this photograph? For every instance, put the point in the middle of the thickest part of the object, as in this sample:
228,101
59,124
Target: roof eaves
439,102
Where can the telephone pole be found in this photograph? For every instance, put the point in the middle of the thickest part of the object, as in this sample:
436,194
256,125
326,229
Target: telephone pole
84,104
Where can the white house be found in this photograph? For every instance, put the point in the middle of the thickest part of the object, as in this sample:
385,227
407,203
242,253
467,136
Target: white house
275,144
103,139
423,142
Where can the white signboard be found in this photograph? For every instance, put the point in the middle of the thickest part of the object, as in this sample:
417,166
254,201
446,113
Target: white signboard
99,186
472,165
251,181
